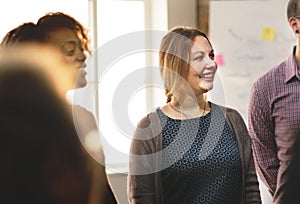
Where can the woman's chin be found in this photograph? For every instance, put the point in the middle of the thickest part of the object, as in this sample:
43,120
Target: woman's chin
80,83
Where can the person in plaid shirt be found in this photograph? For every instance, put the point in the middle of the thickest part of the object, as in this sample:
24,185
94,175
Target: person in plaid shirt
274,115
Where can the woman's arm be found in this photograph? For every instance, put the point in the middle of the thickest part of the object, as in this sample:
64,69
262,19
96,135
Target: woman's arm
252,193
142,177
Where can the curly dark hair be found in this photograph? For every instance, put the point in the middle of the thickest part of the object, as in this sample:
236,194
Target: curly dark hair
56,20
25,32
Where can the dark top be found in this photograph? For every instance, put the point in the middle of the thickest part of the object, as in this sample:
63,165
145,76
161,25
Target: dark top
145,167
214,178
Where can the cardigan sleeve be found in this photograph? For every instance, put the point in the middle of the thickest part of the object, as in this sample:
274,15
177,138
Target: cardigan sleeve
251,185
142,185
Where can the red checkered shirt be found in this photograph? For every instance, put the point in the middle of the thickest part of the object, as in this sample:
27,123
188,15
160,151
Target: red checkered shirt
274,123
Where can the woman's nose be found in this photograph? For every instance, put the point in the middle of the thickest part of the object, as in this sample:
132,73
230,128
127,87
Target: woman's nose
211,63
81,55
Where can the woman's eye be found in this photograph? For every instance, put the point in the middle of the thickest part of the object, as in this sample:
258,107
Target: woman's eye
69,52
68,48
198,58
212,56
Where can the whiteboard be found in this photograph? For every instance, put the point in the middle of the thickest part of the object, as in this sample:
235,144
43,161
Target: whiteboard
235,30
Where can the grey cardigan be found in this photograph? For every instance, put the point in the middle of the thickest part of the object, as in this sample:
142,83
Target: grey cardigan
144,186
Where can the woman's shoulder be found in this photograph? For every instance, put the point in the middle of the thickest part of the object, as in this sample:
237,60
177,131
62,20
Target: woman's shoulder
149,126
84,119
224,108
229,112
80,109
150,118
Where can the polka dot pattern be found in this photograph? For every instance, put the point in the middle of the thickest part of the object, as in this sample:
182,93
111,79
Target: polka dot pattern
190,177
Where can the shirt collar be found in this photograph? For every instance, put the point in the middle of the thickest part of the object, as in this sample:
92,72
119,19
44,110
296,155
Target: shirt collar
291,67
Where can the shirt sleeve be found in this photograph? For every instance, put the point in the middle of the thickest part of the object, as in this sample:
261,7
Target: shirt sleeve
261,130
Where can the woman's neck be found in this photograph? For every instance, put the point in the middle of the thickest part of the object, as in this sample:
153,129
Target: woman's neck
190,106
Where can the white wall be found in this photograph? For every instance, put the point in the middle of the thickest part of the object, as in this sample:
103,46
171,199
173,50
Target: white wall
182,13
236,29
16,12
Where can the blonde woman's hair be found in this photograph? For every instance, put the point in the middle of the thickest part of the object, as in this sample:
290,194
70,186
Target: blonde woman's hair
174,56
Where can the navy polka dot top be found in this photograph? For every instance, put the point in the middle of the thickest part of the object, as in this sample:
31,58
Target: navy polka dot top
200,165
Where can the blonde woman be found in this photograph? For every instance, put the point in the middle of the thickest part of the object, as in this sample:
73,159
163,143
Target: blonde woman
191,150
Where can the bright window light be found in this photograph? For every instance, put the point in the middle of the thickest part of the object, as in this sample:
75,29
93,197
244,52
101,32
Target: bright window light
117,20
16,12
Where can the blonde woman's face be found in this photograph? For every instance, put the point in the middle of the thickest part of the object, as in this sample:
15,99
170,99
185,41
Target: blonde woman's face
202,67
